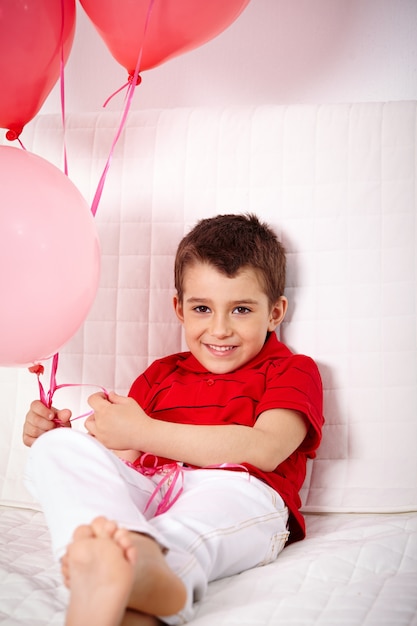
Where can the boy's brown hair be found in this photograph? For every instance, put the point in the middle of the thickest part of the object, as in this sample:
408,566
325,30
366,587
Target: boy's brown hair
230,243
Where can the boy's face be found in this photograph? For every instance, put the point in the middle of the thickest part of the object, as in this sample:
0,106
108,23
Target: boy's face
225,320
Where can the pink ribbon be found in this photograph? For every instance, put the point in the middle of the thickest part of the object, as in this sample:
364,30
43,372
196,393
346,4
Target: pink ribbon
133,81
171,474
47,397
62,88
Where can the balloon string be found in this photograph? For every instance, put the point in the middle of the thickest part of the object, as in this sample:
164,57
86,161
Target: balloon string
115,94
132,83
47,397
62,87
134,80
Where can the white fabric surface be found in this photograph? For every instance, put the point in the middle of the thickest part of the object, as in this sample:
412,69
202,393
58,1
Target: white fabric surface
338,182
351,570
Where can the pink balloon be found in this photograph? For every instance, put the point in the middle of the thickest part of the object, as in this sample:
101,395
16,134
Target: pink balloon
175,26
31,34
49,258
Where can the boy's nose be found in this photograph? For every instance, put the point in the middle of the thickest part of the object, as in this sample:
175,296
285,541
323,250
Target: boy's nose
220,326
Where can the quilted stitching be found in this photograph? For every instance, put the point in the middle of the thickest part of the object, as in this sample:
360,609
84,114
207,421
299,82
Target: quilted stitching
352,570
338,182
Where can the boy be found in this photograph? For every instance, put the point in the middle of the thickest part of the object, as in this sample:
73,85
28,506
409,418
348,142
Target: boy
220,439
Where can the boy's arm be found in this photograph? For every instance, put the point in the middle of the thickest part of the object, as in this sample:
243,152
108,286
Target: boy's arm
275,436
121,423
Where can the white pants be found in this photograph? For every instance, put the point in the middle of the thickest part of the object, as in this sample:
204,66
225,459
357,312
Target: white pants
224,521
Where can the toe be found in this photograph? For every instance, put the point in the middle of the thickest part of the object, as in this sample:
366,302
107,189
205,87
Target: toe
83,532
103,527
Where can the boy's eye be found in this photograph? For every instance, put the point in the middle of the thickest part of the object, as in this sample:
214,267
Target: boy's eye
202,308
241,310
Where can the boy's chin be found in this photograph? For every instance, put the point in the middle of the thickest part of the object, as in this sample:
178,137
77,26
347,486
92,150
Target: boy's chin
220,366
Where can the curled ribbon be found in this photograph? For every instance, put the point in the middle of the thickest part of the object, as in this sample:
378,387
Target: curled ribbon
47,397
171,473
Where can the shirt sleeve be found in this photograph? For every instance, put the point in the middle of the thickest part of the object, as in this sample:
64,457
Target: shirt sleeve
296,385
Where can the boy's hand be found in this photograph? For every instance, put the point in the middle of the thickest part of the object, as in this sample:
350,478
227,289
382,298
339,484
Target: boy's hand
40,419
116,421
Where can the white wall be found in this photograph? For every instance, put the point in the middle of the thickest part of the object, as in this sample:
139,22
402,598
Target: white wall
278,51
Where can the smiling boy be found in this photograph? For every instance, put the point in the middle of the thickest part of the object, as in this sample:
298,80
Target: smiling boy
217,441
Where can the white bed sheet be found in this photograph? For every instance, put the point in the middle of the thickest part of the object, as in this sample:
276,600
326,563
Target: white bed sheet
353,570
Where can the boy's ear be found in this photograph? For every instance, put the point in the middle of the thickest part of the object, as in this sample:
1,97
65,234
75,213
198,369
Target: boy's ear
278,312
178,308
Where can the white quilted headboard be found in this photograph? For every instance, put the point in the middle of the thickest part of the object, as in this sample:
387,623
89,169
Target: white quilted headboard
338,183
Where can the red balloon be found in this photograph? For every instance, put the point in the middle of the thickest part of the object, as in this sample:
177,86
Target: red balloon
31,33
174,27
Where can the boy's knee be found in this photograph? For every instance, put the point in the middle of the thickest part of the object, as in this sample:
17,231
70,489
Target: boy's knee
57,443
51,438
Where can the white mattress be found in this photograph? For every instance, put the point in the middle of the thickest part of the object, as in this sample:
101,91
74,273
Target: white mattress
351,570
338,182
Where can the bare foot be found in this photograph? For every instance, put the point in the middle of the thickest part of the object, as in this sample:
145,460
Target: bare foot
109,569
99,570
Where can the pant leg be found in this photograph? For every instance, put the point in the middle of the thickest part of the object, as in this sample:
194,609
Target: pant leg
76,479
225,522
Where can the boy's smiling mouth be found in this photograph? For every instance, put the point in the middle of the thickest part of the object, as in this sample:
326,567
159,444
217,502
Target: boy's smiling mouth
220,349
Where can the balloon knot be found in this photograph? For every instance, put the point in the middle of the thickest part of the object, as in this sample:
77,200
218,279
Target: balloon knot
131,77
13,134
37,369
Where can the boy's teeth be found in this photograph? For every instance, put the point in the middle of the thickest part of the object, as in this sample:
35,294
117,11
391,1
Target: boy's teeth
221,348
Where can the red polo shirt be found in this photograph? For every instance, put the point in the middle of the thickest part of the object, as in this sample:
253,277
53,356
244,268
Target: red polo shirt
178,389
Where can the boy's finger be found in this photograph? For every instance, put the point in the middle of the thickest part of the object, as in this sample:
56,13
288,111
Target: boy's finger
97,399
90,425
64,415
40,409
